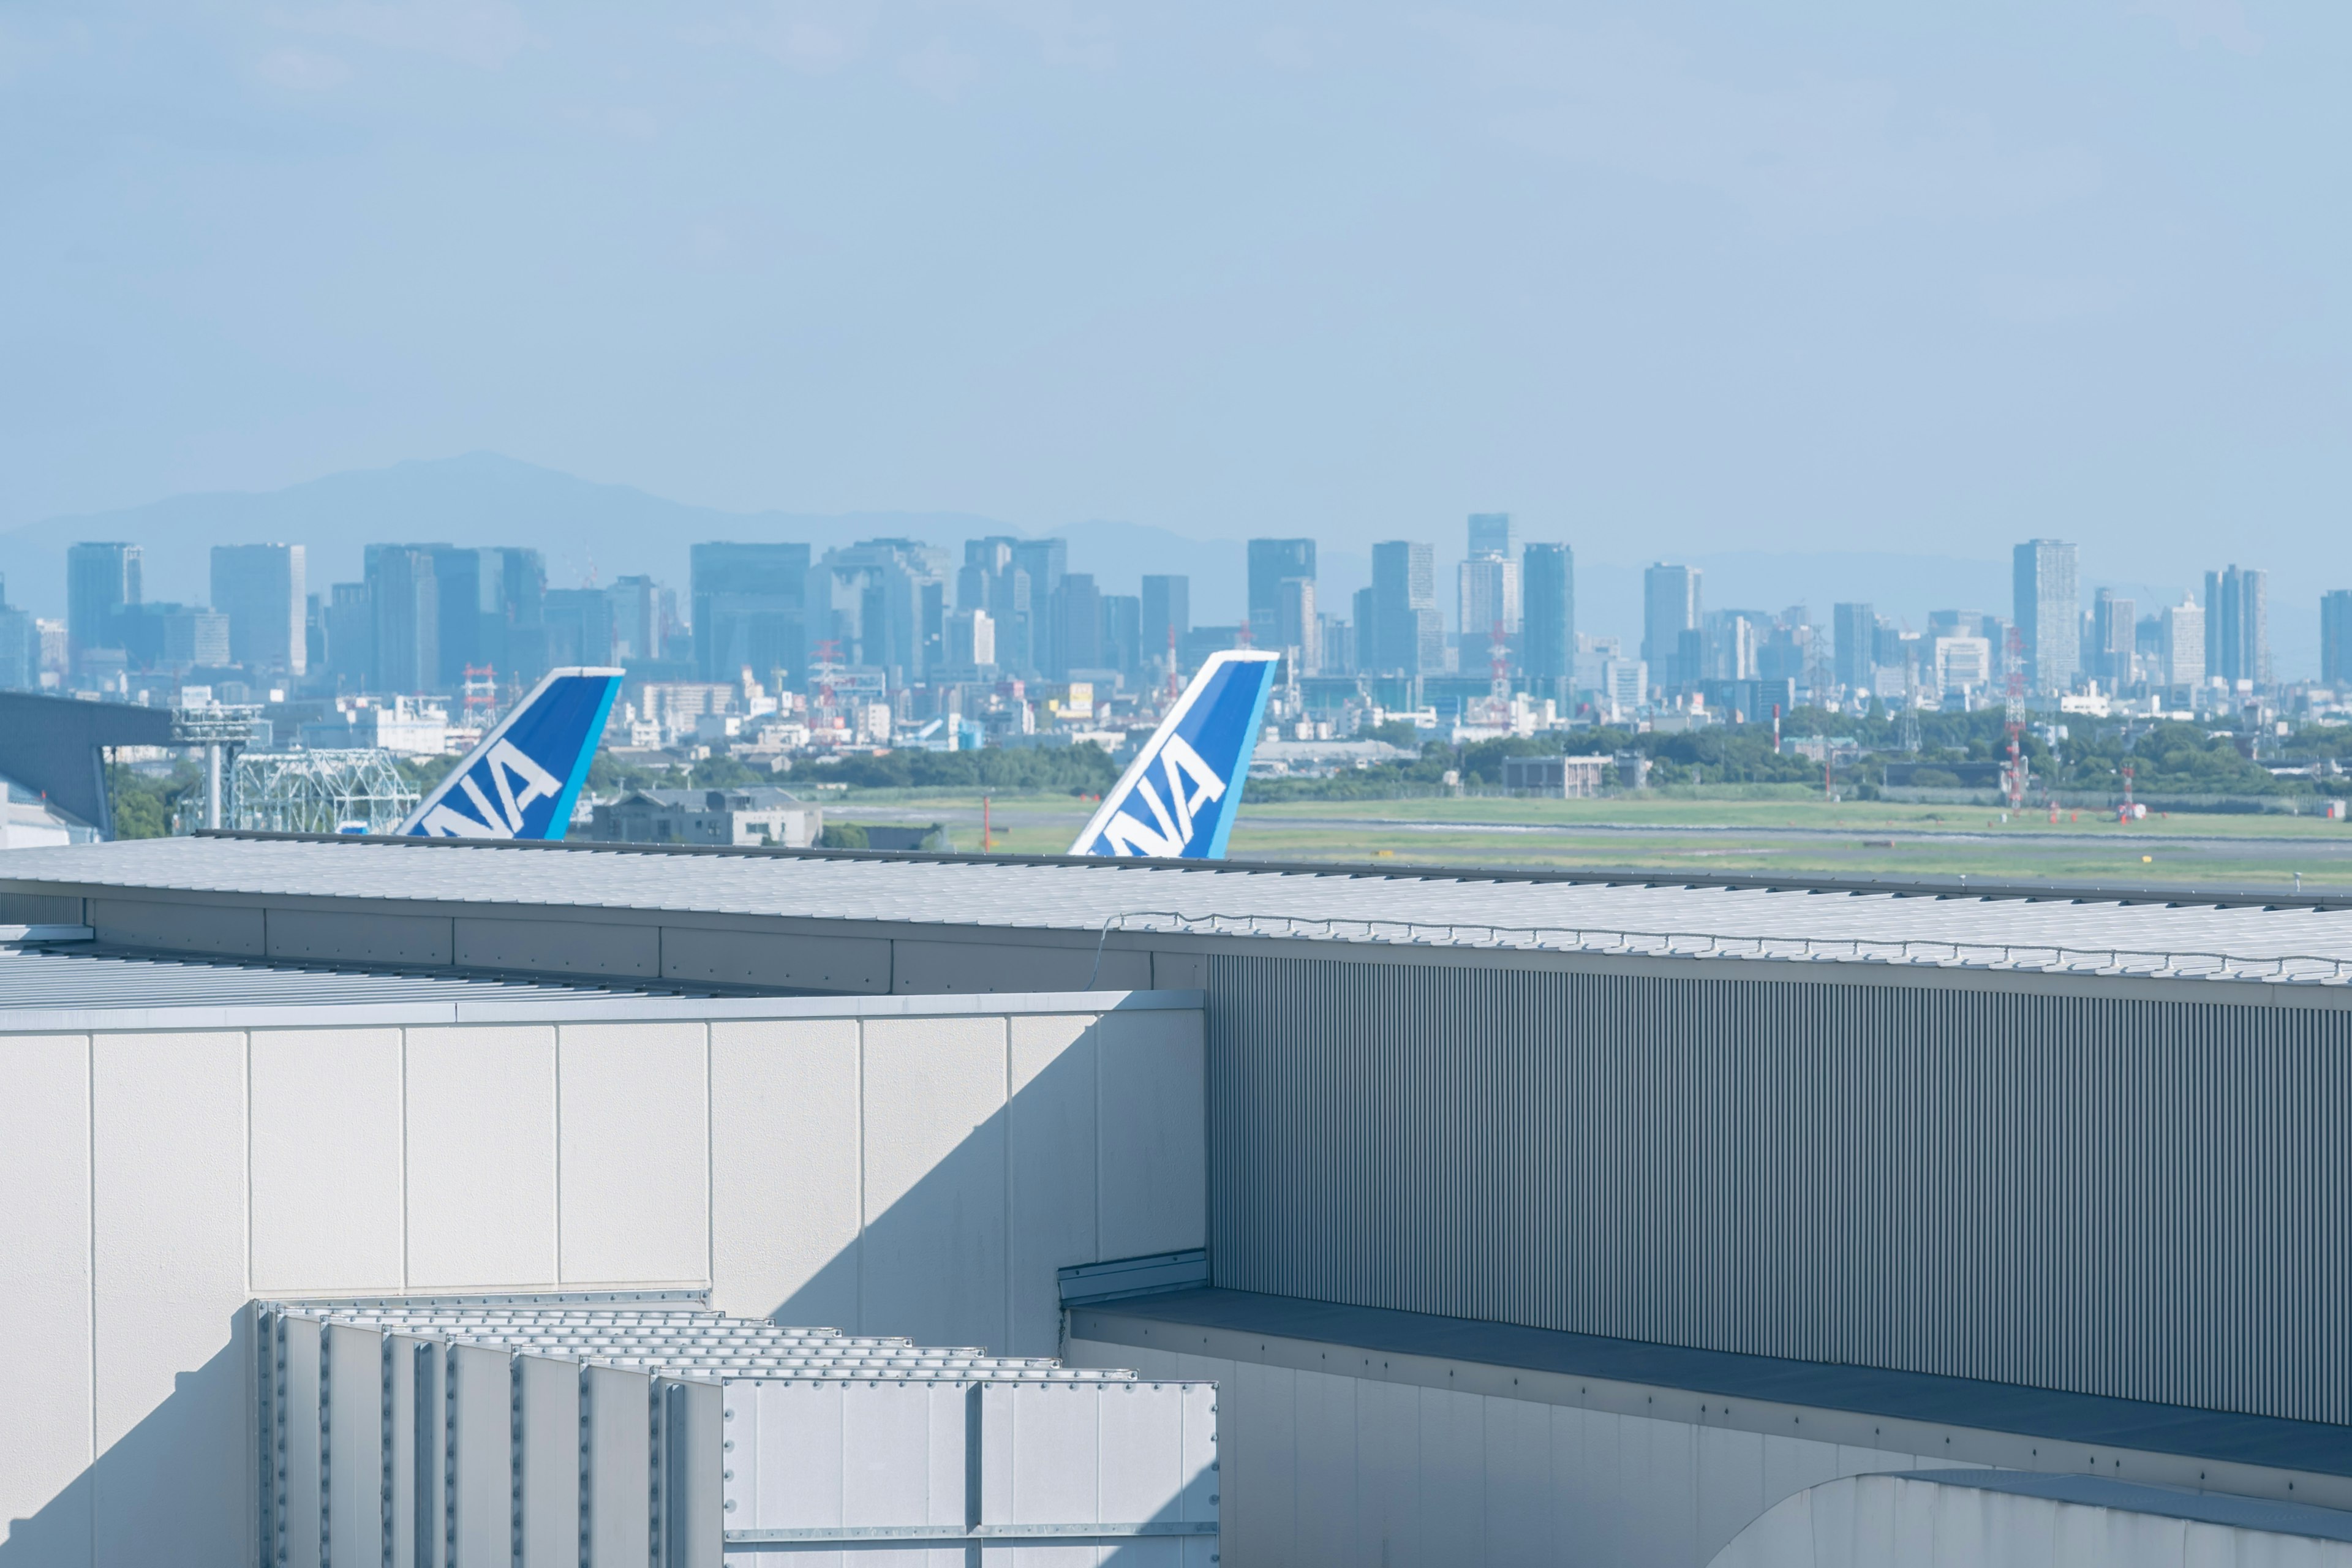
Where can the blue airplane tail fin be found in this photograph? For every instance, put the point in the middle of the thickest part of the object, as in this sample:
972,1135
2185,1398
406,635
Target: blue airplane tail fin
522,780
1178,799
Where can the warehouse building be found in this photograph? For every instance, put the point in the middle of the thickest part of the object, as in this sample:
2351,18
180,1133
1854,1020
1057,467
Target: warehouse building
1514,1219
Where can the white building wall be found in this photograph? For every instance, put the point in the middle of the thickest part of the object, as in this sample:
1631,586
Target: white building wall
916,1175
1319,1468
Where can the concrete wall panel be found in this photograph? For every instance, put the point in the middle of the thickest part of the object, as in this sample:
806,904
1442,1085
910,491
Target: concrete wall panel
45,1440
179,928
633,1113
934,1250
574,947
785,1208
481,1158
1155,1145
168,1228
855,965
1051,1139
326,1161
331,935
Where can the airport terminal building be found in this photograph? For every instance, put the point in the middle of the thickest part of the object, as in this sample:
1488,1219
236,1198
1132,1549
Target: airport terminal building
428,1201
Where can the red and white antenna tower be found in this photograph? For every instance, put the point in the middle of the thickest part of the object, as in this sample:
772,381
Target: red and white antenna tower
2013,776
481,690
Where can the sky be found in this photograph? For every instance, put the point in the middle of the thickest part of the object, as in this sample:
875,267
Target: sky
1662,279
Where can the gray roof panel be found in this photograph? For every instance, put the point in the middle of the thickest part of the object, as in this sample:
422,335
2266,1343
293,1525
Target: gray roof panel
2304,945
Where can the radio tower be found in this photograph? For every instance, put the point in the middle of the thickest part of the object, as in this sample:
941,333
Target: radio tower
2013,776
481,694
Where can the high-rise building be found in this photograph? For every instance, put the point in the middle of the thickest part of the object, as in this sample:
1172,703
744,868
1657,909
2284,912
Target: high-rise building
347,622
1494,533
2183,642
2048,612
1014,580
1488,596
261,589
1077,641
870,600
2237,626
1338,646
1853,632
2335,638
1547,636
1167,618
2113,642
1122,631
971,643
404,613
1298,625
578,625
638,629
1670,623
1406,620
1272,563
100,578
751,610
1730,643
20,646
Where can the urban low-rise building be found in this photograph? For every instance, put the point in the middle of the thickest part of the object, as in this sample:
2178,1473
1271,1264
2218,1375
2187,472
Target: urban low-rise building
750,816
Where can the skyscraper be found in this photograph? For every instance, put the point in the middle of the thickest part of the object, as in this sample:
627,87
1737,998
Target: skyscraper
1548,639
1166,617
1272,563
1670,621
20,646
1406,620
404,605
751,610
1853,632
261,589
1122,631
1489,596
2181,637
2113,621
100,578
1297,625
2048,612
1494,533
1078,629
870,598
2237,626
2335,638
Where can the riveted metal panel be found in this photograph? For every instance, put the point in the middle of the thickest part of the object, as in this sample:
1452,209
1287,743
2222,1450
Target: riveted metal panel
2148,1199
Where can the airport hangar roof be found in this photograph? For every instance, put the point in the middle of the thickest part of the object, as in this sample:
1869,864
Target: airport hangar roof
2151,933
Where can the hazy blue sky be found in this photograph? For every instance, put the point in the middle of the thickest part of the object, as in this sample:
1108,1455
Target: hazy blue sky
1667,278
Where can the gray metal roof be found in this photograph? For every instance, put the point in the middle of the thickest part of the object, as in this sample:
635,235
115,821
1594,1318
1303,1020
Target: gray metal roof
2293,944
70,979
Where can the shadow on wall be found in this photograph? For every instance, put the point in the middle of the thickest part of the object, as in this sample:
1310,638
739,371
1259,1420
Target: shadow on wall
923,1177
175,1475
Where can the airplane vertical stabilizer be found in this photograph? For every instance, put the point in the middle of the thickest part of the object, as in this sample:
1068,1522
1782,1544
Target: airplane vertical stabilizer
523,778
1177,800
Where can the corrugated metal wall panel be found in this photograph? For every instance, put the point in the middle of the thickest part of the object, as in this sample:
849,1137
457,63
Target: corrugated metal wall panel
2127,1197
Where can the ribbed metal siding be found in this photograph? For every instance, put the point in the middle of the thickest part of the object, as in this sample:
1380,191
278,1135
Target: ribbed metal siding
2145,1199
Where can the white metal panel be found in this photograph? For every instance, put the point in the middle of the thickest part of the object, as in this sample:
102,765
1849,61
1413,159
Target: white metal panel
416,1450
302,1489
790,1460
1155,1132
633,1114
785,1165
1053,1182
44,1443
551,1462
480,1401
481,1158
1517,1483
326,1160
693,1470
357,1512
935,1179
618,1422
1325,1507
168,1233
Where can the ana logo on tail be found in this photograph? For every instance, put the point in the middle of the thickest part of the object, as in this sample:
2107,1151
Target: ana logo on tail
522,780
1177,799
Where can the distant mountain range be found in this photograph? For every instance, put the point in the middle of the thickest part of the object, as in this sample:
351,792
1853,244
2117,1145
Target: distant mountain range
586,529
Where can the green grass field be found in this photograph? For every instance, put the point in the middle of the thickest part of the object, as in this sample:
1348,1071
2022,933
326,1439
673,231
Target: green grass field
1795,834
